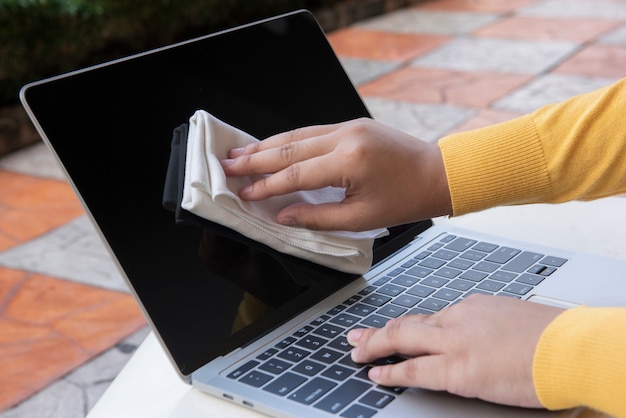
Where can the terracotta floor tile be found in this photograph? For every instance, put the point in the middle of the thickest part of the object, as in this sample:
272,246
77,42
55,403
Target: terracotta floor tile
486,117
423,85
50,326
488,6
31,206
382,46
545,29
597,61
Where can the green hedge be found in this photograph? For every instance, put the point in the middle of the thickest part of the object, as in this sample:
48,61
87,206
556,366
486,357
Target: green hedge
39,38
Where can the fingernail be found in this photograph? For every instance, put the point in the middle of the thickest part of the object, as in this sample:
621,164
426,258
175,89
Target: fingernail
354,336
227,162
374,373
235,152
287,221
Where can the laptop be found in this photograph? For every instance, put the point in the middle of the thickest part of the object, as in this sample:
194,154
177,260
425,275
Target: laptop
238,319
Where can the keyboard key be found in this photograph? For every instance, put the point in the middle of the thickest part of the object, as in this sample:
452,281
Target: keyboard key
445,254
460,244
405,280
376,299
485,266
311,342
367,290
553,261
303,331
358,411
267,354
391,310
286,342
433,304
256,378
518,288
391,290
419,271
531,279
522,262
345,320
320,320
460,263
435,246
347,361
312,391
473,255
377,399
432,263
447,238
422,255
421,291
361,309
547,271
460,284
409,263
480,292
502,255
352,300
309,368
503,276
293,354
434,281
395,272
241,370
473,275
382,280
328,331
420,311
343,396
334,311
275,366
485,247
407,301
285,384
447,294
338,373
375,321
340,343
447,272
490,285
326,355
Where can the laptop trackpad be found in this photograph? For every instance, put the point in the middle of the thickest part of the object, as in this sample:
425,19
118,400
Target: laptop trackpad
552,302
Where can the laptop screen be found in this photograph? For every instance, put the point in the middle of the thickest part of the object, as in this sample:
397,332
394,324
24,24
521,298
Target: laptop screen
205,288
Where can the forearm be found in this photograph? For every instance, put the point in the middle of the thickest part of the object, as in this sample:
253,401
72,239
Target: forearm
572,150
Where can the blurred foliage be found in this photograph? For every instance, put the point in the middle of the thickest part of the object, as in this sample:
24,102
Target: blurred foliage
40,38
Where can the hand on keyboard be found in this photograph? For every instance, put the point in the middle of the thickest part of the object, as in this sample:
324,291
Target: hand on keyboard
481,347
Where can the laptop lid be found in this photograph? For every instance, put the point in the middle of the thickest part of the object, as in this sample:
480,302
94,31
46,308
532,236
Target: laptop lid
111,127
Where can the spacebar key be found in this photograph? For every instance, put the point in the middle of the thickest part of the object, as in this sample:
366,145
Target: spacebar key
343,395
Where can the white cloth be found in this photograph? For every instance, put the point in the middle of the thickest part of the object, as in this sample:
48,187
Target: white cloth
208,193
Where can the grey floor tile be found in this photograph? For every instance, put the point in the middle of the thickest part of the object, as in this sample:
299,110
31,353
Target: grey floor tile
429,22
617,37
609,9
73,251
500,55
362,71
424,121
75,394
36,160
552,88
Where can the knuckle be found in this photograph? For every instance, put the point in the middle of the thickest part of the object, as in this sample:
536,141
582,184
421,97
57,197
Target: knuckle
287,151
292,173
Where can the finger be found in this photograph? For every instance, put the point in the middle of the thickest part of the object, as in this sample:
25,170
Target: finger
283,138
426,372
326,216
311,174
410,335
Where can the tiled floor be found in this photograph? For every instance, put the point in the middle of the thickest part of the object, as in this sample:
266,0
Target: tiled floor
431,69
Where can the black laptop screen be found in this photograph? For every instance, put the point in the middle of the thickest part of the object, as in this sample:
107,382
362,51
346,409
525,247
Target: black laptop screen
112,126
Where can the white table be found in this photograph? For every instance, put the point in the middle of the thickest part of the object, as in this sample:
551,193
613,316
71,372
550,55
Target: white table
149,387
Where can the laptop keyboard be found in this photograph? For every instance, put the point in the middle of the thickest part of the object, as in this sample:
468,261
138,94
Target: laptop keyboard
313,365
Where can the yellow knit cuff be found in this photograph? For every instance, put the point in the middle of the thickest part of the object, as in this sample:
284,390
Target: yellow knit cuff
497,165
581,360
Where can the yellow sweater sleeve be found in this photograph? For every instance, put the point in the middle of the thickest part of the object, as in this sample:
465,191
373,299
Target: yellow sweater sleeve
581,360
575,150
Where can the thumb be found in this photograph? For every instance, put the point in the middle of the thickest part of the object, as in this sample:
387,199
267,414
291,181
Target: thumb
323,217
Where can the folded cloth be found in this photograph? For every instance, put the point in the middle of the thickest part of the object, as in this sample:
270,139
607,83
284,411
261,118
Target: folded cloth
210,194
